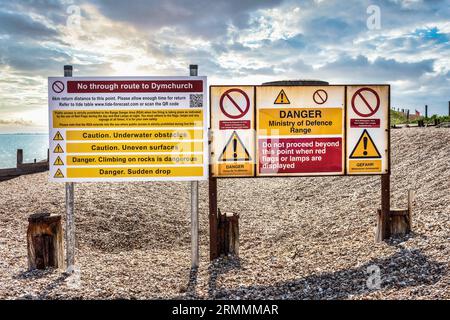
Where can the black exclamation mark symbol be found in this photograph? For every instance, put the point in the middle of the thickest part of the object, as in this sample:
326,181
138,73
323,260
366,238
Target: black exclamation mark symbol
365,146
234,148
282,96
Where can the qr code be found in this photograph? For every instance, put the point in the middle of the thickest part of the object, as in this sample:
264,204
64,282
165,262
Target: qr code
196,100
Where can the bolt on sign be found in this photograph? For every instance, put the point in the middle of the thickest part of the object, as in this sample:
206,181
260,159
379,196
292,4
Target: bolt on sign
128,129
300,130
232,124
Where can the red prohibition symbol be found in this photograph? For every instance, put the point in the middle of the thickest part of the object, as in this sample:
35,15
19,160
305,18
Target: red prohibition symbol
320,96
365,109
58,87
235,110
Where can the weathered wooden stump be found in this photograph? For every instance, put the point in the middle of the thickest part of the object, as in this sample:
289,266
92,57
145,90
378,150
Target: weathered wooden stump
228,233
399,221
44,241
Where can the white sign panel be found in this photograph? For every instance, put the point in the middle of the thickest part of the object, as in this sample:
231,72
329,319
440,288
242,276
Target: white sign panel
128,129
232,124
368,129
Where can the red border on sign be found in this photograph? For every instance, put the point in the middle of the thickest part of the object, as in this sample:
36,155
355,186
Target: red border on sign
372,110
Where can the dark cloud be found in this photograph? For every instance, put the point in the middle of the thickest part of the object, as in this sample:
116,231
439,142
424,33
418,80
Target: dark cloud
55,11
33,58
20,25
381,69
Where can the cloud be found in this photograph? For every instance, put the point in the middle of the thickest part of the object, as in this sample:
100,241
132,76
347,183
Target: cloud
381,69
196,17
31,57
21,25
232,42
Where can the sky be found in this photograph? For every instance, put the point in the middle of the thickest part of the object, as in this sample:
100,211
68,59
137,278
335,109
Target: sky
404,43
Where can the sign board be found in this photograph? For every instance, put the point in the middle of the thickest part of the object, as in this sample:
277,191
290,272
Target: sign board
128,129
232,126
301,137
367,129
299,130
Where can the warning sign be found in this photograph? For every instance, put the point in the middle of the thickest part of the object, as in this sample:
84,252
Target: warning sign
367,129
234,103
232,124
365,148
58,137
58,149
58,162
305,137
306,130
234,150
282,98
300,156
128,129
365,102
58,174
320,96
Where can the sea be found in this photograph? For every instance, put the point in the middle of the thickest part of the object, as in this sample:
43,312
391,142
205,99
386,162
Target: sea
34,146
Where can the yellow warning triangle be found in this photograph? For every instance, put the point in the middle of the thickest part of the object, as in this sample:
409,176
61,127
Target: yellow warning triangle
365,148
58,149
58,162
58,174
58,136
282,98
234,150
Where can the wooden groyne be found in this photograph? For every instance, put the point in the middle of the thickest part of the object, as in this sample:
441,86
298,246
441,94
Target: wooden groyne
23,168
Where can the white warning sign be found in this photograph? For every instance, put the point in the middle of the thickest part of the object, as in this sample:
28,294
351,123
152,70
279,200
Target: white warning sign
232,126
368,129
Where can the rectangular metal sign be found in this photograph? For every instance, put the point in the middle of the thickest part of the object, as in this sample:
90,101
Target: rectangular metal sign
233,123
299,130
128,129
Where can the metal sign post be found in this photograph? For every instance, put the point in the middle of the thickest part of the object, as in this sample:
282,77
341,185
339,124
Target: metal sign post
70,217
193,72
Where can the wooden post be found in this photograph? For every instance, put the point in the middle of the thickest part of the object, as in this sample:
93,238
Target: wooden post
398,223
213,218
193,72
19,157
44,241
70,216
382,231
426,111
407,116
228,234
410,206
233,232
449,108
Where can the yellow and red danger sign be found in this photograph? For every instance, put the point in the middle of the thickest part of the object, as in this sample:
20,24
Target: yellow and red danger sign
299,130
128,129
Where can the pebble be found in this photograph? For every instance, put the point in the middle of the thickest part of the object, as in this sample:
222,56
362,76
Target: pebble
301,238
